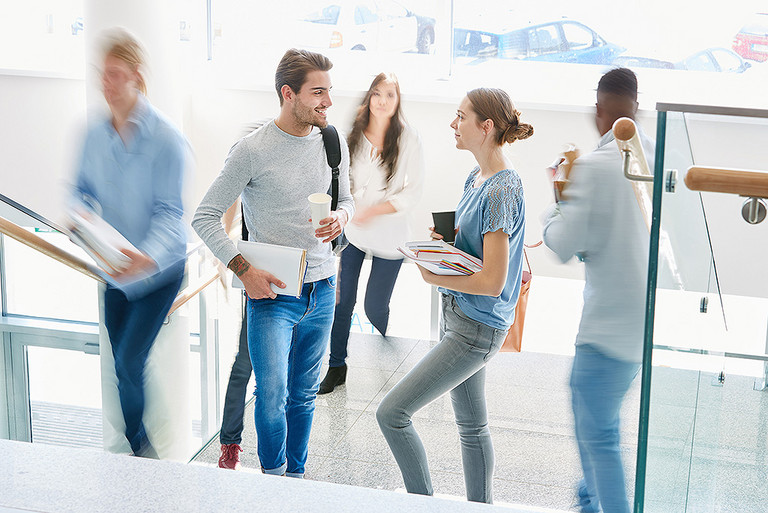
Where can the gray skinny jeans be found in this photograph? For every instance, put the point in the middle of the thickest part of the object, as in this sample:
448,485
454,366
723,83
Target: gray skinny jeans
456,364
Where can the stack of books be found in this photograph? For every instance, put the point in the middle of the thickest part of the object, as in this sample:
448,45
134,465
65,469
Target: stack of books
103,243
441,258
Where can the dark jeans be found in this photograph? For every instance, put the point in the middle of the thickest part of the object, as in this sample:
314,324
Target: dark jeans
378,292
234,401
133,327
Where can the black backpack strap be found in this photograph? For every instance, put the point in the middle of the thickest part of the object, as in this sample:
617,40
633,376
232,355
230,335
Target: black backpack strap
333,153
244,228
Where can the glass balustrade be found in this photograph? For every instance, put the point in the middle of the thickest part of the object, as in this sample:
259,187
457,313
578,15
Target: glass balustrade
703,403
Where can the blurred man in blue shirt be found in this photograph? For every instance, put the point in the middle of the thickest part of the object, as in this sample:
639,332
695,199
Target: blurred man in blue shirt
131,174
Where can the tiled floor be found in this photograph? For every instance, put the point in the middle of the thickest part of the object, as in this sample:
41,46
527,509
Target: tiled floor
528,403
708,445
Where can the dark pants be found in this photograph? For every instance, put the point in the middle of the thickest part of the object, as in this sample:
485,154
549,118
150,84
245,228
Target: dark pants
378,292
234,401
133,327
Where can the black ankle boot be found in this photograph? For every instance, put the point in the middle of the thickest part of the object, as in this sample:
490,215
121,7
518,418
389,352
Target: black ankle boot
336,376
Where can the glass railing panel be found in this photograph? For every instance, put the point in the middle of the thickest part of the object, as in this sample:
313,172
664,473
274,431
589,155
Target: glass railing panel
35,283
707,424
65,397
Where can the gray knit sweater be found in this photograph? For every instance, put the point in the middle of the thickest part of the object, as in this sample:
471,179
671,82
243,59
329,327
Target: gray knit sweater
275,172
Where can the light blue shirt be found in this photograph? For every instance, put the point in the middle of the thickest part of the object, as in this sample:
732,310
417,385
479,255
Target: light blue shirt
498,204
600,222
137,187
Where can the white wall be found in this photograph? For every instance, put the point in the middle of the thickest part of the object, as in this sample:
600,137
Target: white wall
43,119
41,130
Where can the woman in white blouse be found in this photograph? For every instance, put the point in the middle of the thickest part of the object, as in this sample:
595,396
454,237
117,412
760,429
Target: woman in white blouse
386,174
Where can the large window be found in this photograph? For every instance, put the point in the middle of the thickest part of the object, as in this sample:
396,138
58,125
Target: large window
459,40
430,40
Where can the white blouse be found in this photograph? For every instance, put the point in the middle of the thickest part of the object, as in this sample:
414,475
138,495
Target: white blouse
383,234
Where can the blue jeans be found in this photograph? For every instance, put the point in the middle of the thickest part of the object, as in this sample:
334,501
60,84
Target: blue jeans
598,386
237,387
133,327
287,337
456,364
378,292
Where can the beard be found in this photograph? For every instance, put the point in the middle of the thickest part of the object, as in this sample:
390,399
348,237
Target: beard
307,115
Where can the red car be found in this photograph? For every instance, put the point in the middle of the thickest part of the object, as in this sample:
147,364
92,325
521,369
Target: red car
752,40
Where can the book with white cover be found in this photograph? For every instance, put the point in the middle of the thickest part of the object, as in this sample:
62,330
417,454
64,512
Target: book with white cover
287,264
440,257
100,240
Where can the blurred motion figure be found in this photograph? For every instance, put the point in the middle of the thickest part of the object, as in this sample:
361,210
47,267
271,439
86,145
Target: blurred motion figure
131,174
599,222
386,174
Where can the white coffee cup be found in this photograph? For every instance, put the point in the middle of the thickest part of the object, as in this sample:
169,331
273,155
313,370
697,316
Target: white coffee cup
320,207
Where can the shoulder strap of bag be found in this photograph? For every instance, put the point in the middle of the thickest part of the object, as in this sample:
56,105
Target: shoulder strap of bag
333,153
244,229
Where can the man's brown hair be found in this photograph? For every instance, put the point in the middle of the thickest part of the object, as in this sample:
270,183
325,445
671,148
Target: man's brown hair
294,68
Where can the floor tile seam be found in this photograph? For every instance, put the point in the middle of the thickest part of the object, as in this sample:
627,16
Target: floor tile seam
392,374
380,389
518,430
458,472
570,436
371,368
413,348
394,465
341,438
319,466
567,488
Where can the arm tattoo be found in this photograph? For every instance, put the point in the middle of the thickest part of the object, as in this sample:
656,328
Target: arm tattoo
239,265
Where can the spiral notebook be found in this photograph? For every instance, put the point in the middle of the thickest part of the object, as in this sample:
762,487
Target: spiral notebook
287,264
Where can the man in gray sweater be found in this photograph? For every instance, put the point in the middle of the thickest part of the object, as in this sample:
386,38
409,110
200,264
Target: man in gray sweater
274,169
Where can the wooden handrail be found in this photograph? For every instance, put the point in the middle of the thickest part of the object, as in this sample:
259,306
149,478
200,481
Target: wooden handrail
192,290
743,182
27,238
18,233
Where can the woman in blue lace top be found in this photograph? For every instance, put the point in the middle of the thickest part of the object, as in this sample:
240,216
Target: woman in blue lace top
477,310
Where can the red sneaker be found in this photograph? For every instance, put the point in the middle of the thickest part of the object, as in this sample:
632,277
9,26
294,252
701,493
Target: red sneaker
230,456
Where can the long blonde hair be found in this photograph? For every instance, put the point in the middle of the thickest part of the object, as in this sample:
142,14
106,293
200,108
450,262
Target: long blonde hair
123,45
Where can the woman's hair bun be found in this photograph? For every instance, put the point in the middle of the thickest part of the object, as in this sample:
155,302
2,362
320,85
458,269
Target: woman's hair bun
521,131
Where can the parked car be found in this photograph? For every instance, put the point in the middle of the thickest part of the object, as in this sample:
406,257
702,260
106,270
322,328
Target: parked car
710,59
715,59
628,61
751,42
556,41
384,25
